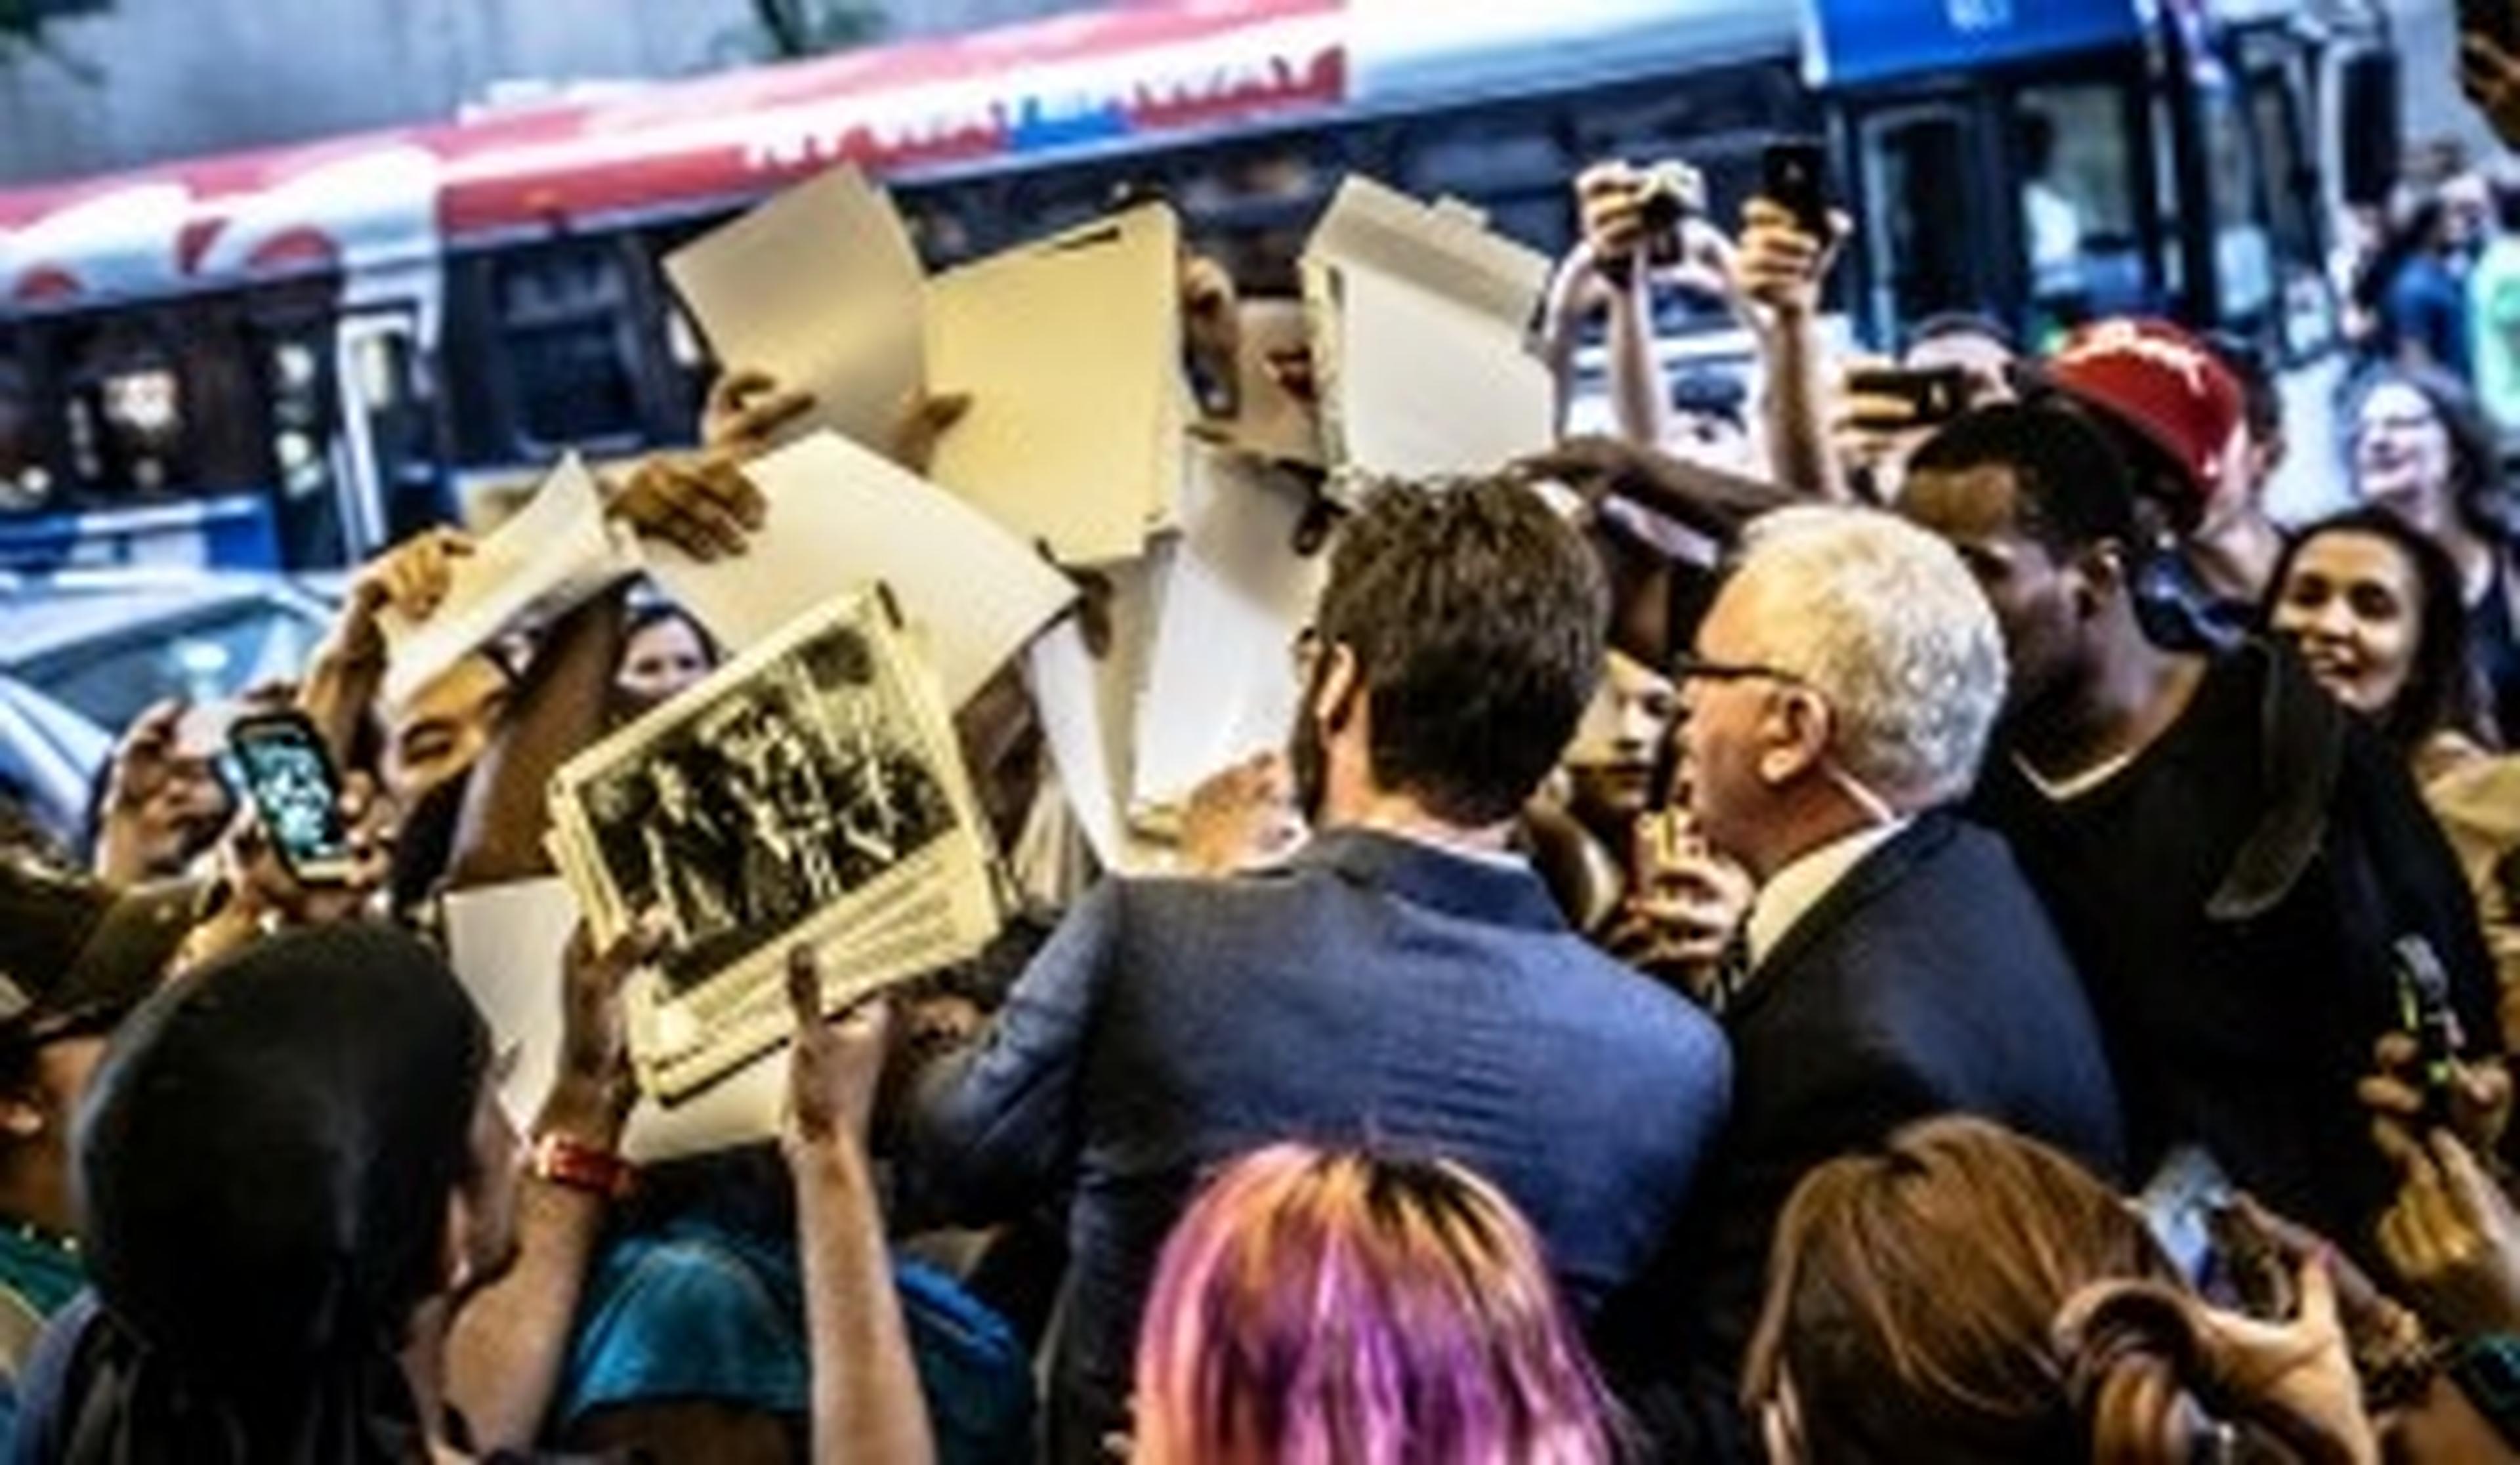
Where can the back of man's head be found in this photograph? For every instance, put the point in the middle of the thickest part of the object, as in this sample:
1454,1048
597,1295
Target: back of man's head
2070,485
1476,617
1883,621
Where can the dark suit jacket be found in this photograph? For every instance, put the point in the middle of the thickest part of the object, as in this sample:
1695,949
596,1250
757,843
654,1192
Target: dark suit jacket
1927,981
1373,990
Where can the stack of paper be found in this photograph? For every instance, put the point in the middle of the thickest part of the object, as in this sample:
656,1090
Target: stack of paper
808,792
1421,316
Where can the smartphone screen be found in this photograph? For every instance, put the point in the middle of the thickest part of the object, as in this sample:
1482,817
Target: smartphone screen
284,768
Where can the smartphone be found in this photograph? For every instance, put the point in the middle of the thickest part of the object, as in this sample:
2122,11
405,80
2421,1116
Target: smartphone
2177,1206
2497,20
2423,1011
1933,395
1794,176
279,762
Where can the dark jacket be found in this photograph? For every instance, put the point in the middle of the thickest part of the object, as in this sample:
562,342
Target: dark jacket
1927,981
2236,945
1372,990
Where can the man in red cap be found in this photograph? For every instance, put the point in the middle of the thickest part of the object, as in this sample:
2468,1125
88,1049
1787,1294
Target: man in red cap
2178,417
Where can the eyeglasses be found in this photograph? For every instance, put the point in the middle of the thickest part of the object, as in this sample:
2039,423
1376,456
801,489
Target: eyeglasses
1688,666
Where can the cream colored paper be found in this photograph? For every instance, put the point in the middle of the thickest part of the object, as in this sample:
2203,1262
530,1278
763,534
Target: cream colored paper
553,553
841,517
1070,352
820,287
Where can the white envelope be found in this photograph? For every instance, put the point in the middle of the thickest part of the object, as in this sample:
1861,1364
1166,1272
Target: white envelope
820,287
840,516
1419,318
1088,705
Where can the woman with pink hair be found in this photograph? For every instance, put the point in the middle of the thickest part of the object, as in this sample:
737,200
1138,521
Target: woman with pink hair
1338,1307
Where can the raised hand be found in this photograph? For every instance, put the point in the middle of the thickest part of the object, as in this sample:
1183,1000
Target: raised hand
699,503
746,409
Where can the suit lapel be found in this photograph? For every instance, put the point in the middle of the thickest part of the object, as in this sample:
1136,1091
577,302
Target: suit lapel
1871,875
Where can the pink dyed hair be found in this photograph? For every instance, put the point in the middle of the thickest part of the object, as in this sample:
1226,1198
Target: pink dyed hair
1337,1308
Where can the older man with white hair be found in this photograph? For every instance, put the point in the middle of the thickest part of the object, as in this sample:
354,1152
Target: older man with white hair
1839,698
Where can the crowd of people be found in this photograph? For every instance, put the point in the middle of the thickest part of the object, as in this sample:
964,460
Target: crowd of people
1804,927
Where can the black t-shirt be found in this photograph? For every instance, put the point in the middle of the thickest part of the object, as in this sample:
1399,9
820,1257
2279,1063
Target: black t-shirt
2242,1035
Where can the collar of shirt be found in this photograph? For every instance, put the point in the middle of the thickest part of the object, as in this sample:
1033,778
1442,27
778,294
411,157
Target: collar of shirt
1792,892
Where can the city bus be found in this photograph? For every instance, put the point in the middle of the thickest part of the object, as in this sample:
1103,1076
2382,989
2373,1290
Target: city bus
285,358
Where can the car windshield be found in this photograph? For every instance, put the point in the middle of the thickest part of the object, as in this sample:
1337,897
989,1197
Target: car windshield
202,655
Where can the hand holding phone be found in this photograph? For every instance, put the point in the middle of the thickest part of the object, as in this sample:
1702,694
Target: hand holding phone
282,769
1794,176
1901,399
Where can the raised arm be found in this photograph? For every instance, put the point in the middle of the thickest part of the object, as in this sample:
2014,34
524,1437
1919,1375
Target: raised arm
557,711
511,1342
347,670
867,1408
1777,278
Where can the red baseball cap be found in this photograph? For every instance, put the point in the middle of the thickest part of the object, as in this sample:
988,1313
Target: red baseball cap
2163,382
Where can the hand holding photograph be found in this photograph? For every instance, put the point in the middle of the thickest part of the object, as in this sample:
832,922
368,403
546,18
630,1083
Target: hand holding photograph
810,792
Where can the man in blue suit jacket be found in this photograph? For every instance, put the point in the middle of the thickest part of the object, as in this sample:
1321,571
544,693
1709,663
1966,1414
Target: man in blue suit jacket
1898,966
1404,980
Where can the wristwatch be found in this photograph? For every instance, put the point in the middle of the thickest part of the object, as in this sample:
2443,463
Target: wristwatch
566,1162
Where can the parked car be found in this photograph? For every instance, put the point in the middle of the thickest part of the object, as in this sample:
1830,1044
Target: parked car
84,652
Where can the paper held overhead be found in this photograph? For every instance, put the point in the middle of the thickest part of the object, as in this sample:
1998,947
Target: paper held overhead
821,289
840,517
1070,351
1419,318
554,554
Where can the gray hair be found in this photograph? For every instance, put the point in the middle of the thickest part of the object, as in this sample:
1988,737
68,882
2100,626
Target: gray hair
1885,623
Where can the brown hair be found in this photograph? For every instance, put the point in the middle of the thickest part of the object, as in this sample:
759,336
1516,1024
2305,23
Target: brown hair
1967,1295
1477,619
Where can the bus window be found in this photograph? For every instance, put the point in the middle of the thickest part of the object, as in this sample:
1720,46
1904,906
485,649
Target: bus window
24,482
124,415
570,343
2244,262
1507,166
2074,168
2275,114
1921,215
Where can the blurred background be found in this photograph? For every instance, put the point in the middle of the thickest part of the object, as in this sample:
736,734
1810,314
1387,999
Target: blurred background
283,279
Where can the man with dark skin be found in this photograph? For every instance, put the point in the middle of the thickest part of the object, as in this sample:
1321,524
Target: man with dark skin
2229,857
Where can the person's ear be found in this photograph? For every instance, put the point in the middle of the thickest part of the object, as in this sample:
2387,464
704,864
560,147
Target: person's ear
1796,734
1335,693
2097,576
